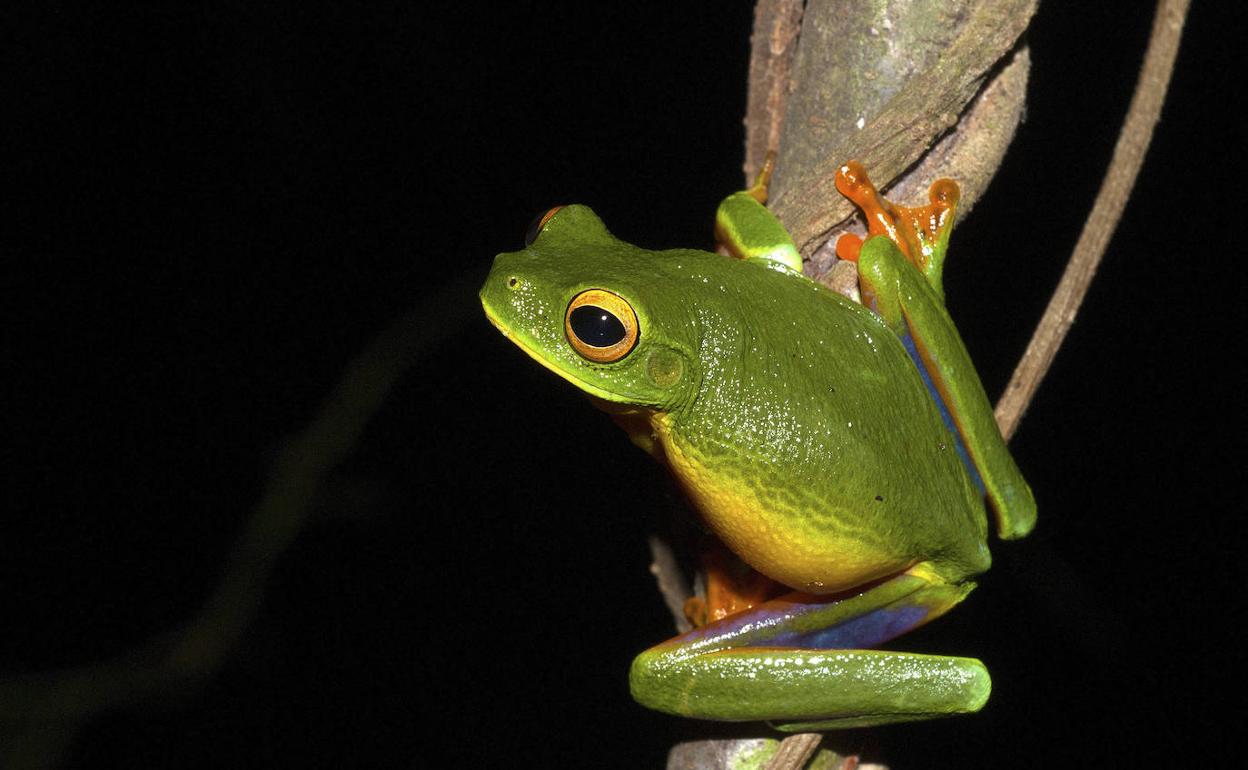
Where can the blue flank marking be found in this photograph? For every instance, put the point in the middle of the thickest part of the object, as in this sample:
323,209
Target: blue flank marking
868,630
944,411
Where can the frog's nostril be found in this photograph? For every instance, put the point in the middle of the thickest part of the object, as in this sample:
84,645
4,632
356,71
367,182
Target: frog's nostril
513,282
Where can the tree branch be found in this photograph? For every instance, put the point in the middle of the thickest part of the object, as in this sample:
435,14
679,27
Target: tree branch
882,85
900,135
772,45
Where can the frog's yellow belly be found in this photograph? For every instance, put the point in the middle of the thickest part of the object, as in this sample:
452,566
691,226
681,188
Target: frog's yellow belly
794,550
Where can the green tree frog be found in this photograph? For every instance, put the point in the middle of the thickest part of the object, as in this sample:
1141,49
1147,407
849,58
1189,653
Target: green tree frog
841,450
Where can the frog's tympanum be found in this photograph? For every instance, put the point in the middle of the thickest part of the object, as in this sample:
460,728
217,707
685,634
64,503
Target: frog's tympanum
842,450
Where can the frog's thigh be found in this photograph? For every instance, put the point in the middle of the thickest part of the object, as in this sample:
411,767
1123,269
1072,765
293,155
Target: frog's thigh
803,689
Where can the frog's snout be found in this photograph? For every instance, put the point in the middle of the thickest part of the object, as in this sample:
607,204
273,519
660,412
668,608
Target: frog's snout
498,294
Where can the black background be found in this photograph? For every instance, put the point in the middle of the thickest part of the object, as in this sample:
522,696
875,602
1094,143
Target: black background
209,212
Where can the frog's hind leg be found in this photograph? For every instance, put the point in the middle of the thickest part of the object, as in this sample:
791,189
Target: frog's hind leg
798,660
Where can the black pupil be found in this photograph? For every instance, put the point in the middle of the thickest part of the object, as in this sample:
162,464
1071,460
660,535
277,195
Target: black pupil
596,327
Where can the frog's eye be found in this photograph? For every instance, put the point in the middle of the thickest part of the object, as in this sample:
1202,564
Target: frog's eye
538,223
601,326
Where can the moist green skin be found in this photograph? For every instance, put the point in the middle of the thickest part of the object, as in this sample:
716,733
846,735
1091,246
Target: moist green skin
803,432
789,393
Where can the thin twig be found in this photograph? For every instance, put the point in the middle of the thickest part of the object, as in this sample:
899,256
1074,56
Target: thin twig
670,581
794,752
1137,132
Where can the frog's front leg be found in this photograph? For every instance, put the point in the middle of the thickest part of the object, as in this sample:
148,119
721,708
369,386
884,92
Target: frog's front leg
899,271
798,661
745,229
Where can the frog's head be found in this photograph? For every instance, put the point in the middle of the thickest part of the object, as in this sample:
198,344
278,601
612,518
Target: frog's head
595,310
